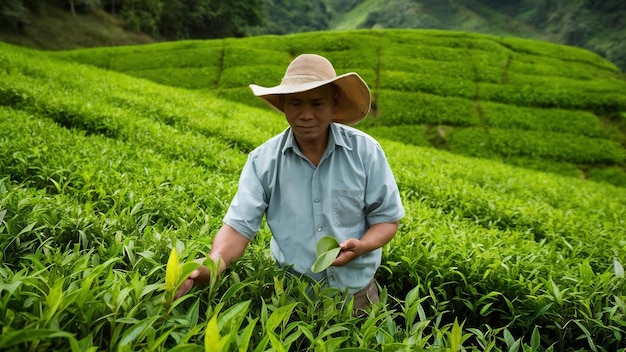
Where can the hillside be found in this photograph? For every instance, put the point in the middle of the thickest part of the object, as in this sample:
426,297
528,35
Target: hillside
103,173
548,107
594,25
55,28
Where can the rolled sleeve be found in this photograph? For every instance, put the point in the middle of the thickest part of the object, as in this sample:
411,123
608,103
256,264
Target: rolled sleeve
382,197
247,208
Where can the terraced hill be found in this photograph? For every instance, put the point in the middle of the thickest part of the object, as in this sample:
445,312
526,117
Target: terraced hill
529,103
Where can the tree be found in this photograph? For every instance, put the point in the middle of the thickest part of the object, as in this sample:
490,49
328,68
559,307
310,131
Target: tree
204,19
12,11
142,15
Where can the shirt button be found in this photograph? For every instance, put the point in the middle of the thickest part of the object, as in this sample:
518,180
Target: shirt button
317,200
319,229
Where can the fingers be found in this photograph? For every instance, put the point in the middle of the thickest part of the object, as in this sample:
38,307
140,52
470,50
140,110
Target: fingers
349,251
184,288
351,244
200,276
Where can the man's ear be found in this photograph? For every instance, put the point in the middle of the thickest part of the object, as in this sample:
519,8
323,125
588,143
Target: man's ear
336,100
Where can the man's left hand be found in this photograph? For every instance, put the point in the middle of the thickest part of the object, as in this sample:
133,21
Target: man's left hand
350,249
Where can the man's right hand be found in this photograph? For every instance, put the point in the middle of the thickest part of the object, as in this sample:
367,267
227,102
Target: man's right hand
200,276
228,245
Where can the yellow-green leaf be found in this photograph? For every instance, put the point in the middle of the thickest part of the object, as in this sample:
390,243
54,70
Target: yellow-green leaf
172,272
212,339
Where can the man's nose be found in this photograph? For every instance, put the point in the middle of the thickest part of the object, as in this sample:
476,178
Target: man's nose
307,112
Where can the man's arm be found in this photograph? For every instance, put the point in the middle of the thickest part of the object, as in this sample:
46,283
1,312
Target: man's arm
376,236
228,246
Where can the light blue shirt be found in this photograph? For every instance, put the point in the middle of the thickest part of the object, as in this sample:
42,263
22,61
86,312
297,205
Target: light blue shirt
351,188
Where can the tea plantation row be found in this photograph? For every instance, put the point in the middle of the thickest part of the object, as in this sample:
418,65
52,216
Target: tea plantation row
428,82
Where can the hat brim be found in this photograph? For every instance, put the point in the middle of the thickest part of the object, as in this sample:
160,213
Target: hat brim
353,104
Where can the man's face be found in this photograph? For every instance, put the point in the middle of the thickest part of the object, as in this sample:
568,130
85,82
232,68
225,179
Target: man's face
309,113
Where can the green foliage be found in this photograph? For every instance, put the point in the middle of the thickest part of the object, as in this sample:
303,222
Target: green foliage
544,145
102,175
143,15
12,11
504,116
396,108
409,134
613,175
285,17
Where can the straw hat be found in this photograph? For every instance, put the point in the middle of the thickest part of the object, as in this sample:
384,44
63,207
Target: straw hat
309,71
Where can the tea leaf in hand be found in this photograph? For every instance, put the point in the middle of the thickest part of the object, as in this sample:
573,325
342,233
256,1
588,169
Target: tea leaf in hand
325,244
327,249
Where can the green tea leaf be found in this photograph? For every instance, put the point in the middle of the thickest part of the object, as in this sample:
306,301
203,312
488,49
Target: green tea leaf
17,337
535,339
327,249
456,336
243,340
185,270
325,260
137,332
280,315
325,244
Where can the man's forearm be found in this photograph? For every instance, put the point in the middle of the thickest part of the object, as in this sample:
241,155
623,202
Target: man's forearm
379,235
228,246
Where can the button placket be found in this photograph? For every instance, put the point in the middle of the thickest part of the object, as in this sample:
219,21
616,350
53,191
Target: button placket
317,203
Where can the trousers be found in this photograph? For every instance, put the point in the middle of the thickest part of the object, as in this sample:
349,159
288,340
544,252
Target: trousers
364,297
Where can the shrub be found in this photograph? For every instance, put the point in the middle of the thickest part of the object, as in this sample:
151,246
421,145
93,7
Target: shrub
242,76
409,108
408,134
562,52
545,145
427,83
190,78
505,116
614,175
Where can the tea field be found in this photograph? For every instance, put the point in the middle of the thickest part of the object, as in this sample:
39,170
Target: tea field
509,155
533,104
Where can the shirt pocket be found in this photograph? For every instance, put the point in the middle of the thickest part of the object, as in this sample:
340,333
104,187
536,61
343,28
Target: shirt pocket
348,207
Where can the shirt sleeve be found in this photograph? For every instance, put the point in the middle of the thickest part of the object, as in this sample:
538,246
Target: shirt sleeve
382,197
248,207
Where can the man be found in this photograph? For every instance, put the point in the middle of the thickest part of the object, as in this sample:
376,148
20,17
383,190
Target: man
317,178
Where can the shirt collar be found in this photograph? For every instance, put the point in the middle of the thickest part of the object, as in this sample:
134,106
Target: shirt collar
335,138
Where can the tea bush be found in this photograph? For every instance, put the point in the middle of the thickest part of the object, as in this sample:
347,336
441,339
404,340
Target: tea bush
504,116
547,145
422,108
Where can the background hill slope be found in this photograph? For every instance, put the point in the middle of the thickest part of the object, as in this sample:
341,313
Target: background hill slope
530,103
594,25
48,24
